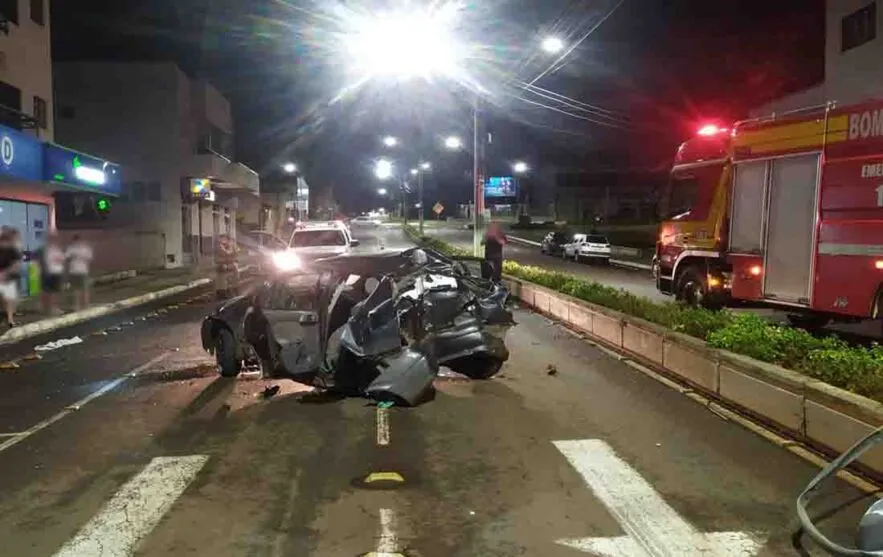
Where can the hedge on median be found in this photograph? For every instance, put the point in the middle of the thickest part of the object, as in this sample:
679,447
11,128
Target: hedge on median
829,359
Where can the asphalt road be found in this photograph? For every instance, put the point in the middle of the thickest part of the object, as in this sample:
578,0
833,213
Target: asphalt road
638,282
131,444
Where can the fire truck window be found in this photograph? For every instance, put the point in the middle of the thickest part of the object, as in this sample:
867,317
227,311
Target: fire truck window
683,192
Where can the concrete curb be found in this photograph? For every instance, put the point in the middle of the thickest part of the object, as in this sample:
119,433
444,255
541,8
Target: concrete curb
52,323
617,262
115,277
804,409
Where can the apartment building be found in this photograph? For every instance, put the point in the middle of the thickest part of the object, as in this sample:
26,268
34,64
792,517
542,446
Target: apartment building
173,134
853,50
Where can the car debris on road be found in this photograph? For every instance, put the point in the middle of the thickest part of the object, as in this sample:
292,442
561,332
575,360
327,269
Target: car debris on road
377,325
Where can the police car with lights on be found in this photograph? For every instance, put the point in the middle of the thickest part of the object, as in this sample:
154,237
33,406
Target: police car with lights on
315,240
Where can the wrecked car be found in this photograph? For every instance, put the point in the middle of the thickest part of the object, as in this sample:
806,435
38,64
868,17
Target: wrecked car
376,325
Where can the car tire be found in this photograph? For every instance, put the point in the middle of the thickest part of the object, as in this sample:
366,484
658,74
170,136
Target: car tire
225,353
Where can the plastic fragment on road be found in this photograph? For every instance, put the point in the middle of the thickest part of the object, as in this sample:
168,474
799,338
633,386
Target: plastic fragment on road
9,365
56,344
31,357
551,369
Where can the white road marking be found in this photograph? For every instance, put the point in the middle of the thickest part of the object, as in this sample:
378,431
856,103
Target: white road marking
135,509
382,427
389,541
652,527
18,438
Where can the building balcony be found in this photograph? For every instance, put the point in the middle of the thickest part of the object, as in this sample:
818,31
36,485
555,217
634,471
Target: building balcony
225,175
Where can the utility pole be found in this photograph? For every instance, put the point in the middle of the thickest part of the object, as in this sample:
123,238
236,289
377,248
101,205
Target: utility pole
420,197
478,177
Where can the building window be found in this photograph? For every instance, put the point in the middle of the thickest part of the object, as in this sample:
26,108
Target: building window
859,27
38,12
40,112
154,191
9,9
10,105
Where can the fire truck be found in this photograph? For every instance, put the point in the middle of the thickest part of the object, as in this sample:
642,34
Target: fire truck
784,211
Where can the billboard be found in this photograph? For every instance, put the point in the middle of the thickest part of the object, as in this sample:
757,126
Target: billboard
81,171
500,186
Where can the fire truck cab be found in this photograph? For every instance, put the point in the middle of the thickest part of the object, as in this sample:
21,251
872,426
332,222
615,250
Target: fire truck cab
783,211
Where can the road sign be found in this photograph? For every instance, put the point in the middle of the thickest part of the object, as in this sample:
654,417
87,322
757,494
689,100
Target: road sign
652,527
438,208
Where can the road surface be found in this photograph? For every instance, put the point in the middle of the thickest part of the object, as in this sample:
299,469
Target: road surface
130,444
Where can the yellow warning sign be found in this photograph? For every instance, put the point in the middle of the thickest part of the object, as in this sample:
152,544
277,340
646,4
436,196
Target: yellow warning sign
438,208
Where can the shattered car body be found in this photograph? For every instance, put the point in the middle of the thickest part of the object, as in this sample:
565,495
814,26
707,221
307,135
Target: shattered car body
375,325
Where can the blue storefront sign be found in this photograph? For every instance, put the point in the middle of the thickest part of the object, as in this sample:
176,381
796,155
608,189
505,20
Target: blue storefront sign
80,171
21,156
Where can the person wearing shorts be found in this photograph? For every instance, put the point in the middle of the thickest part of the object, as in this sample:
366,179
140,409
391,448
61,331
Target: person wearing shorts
79,258
51,259
10,269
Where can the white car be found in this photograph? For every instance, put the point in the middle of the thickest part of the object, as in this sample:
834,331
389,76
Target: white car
595,248
365,220
315,240
569,249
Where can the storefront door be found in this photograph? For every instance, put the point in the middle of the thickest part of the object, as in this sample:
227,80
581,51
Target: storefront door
32,222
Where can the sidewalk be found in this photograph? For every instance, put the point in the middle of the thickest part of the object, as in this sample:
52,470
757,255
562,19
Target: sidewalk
106,298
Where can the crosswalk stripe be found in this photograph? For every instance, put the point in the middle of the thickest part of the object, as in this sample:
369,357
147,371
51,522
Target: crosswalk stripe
135,509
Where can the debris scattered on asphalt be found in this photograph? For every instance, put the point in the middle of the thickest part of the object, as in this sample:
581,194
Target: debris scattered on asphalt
658,444
551,369
270,391
9,365
114,329
31,357
56,344
99,334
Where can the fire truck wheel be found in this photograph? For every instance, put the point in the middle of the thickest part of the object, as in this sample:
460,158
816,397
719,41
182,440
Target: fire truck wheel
692,289
808,321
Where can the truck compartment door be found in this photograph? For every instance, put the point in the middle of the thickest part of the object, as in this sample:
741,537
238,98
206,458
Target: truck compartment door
746,214
793,194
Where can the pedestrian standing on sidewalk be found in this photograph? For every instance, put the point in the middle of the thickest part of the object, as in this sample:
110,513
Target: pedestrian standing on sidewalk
493,242
10,273
79,258
51,261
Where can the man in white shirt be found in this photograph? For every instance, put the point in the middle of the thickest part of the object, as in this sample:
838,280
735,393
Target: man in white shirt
51,261
79,258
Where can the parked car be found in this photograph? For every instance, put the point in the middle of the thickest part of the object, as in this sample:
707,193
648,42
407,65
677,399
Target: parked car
365,220
553,243
568,250
595,248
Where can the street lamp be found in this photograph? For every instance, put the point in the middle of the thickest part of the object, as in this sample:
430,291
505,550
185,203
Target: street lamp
414,171
289,168
390,141
383,169
520,167
381,191
453,142
552,45
425,166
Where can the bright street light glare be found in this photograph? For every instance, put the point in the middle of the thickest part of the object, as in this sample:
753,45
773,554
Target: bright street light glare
405,44
453,142
414,171
289,167
381,191
390,141
425,166
520,167
383,169
553,45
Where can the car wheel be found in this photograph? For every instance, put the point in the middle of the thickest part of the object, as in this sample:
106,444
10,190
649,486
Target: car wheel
225,353
692,290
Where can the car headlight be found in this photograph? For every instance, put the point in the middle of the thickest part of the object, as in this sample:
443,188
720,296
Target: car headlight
286,261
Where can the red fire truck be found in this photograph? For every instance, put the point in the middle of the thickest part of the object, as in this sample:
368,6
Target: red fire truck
784,211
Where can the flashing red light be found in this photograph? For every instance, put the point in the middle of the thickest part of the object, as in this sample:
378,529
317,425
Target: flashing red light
709,129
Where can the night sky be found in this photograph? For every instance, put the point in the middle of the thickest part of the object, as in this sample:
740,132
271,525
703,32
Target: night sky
651,71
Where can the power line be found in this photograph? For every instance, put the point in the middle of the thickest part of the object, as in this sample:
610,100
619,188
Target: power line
613,125
577,43
577,105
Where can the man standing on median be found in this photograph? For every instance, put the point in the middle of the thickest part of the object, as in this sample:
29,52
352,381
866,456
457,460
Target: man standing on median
79,258
493,242
225,267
